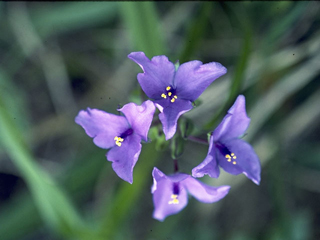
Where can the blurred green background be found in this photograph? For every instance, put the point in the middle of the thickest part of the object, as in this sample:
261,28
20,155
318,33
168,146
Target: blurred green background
59,58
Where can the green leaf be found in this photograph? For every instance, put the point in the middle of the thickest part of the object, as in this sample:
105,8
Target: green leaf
52,203
119,209
239,74
142,23
52,19
196,31
177,146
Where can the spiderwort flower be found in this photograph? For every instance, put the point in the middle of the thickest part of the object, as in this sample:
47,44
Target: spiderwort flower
121,134
170,193
174,91
234,155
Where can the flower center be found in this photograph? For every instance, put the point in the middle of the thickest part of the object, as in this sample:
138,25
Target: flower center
170,93
119,140
230,156
175,194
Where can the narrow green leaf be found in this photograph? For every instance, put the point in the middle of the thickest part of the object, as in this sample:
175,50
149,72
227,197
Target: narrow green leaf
144,29
196,31
238,76
67,16
128,194
53,205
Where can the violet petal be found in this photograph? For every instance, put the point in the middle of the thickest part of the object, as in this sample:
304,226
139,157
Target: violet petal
193,77
246,160
101,126
209,165
169,114
158,73
163,196
204,192
235,123
124,158
139,117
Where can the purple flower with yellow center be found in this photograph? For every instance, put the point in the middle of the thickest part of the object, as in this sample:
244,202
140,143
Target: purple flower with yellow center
226,150
173,91
170,192
122,134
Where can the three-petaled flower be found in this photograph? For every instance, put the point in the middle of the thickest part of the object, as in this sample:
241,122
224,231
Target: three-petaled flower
170,192
122,134
234,155
173,91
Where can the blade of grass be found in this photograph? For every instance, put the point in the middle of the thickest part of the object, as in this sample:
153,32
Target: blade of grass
128,195
52,19
144,30
22,206
51,201
290,84
196,32
239,73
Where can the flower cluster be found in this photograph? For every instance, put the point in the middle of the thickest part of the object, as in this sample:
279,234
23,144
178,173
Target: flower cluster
173,90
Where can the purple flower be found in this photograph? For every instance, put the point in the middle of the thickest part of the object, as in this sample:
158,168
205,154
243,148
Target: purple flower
170,192
121,134
174,91
234,155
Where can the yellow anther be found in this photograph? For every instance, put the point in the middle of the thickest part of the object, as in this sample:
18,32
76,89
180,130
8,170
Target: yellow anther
118,141
233,156
173,99
169,94
234,162
227,156
168,88
175,96
174,199
163,95
229,160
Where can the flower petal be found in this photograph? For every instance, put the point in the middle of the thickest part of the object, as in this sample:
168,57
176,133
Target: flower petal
235,123
247,161
102,126
204,192
158,73
209,165
170,112
162,196
125,157
139,117
157,176
193,77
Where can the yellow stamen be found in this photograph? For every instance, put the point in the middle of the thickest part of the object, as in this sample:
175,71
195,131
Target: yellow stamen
118,141
174,199
169,94
163,95
227,156
168,88
173,99
233,156
234,162
175,96
229,160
